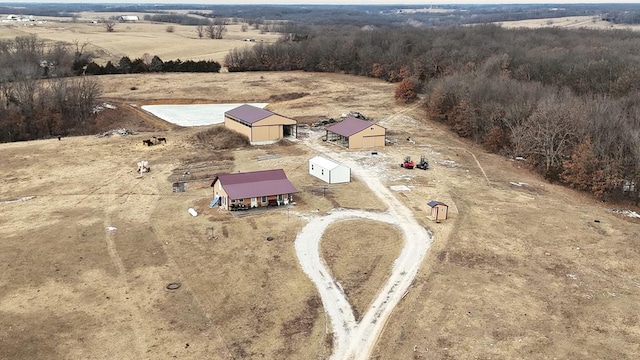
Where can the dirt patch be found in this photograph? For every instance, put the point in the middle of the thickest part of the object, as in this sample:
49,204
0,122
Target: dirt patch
303,323
360,253
221,138
287,96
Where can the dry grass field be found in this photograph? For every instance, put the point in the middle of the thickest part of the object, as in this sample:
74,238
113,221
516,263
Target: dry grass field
516,272
569,22
135,39
360,254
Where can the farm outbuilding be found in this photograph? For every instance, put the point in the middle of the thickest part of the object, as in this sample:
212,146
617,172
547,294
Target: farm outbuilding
240,191
356,133
125,18
439,211
329,170
259,125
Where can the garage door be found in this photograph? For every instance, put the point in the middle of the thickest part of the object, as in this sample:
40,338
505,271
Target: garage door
372,141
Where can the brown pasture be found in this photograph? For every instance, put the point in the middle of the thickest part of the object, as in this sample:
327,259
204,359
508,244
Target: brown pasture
135,39
360,254
515,272
569,22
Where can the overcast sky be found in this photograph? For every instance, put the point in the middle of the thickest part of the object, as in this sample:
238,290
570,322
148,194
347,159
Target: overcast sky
343,2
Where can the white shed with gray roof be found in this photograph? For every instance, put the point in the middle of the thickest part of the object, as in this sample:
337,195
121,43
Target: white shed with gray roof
329,170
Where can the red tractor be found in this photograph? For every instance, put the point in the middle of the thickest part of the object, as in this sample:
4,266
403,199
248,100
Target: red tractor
407,164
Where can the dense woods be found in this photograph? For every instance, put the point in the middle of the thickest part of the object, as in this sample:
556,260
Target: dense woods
564,100
42,93
37,99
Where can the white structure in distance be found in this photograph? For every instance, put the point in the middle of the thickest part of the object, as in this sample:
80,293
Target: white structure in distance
194,115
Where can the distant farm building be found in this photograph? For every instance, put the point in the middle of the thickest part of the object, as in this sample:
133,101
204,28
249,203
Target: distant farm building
439,211
126,18
240,191
329,170
356,133
259,125
19,18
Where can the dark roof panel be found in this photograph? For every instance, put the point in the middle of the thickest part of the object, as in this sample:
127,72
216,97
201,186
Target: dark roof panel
256,184
248,114
349,126
433,203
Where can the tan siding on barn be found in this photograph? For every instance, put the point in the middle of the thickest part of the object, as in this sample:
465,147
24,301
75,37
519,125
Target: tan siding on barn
373,136
269,129
231,124
266,133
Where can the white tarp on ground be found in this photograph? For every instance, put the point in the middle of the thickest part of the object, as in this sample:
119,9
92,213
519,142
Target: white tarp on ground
194,115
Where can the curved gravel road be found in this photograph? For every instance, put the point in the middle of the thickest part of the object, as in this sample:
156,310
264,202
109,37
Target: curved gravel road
351,339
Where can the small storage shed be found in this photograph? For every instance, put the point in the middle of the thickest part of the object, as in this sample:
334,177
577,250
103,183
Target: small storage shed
356,133
329,170
259,125
439,210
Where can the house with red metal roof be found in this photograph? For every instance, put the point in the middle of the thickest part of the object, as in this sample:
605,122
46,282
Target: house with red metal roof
239,191
259,125
355,133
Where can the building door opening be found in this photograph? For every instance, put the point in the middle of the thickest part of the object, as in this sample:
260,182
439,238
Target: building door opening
289,131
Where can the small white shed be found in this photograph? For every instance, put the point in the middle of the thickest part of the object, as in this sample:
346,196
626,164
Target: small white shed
329,170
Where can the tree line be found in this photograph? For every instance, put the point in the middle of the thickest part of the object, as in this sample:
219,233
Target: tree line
43,92
151,64
586,61
566,101
590,143
359,15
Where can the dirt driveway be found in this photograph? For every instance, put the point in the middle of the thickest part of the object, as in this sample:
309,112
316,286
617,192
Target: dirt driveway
355,340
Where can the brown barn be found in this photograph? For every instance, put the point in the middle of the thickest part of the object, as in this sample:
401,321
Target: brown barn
259,125
356,133
252,189
439,210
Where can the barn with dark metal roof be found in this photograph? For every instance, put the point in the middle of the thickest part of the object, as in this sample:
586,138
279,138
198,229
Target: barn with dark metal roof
355,133
259,125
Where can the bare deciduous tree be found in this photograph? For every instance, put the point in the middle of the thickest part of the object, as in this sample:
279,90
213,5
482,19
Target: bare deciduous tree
217,28
109,25
210,30
552,129
200,30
